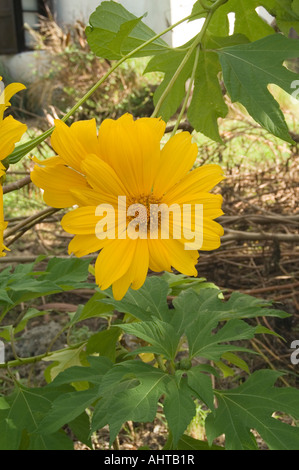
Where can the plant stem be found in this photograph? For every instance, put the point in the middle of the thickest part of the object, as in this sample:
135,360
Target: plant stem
218,4
197,43
31,360
187,94
160,362
23,149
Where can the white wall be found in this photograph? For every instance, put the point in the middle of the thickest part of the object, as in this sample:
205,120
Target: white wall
160,15
187,30
68,11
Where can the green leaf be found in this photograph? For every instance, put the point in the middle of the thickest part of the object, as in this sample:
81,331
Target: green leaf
179,408
239,306
27,408
199,314
247,20
55,441
248,69
179,282
207,104
189,443
168,63
10,435
93,308
130,391
68,406
64,359
198,10
114,32
67,271
93,374
31,313
203,343
24,284
104,343
286,13
162,336
147,302
201,384
81,428
251,406
236,360
4,297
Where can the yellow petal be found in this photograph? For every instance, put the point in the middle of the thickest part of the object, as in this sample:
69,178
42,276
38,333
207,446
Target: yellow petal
92,197
3,225
2,170
86,133
182,260
57,181
177,158
102,177
52,161
196,227
132,149
158,256
82,245
202,179
74,143
136,273
81,221
11,132
7,94
157,125
212,231
114,261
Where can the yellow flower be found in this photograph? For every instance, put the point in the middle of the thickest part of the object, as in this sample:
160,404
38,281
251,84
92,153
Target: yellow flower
124,161
10,132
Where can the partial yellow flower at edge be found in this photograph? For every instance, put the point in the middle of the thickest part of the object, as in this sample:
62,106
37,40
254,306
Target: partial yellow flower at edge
3,225
11,132
125,159
7,94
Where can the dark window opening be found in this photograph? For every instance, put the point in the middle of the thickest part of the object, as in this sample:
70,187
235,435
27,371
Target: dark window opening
14,14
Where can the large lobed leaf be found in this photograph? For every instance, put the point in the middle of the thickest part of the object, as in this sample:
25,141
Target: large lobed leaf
248,69
251,406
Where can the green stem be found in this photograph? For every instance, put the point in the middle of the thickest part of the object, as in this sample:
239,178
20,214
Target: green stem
31,360
218,4
22,150
160,362
171,367
195,44
187,94
12,343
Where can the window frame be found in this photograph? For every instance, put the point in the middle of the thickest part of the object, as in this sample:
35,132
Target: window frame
18,19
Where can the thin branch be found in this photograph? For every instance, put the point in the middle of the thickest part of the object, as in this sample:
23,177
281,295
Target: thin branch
185,126
16,185
238,235
34,218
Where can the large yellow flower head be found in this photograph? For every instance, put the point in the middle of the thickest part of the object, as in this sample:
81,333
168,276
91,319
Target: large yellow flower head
111,176
11,132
